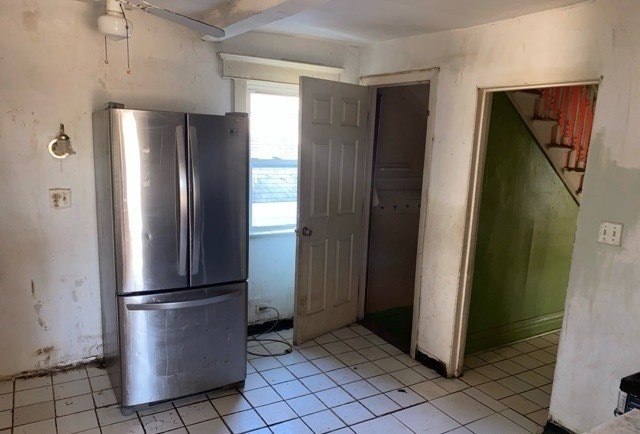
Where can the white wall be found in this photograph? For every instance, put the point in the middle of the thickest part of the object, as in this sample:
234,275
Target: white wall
600,38
272,264
53,70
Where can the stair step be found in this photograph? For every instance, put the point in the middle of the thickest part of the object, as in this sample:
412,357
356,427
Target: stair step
542,129
545,120
532,92
559,146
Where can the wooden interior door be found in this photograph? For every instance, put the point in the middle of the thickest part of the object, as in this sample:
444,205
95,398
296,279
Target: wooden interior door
333,151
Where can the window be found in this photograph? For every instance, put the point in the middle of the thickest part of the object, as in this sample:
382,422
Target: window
273,131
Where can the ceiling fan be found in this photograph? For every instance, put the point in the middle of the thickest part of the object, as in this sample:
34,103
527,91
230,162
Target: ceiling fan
115,26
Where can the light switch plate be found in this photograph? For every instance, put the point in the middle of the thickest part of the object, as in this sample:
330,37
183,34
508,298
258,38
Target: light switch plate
60,198
610,233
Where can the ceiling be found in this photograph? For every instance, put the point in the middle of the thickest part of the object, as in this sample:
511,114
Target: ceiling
192,8
371,21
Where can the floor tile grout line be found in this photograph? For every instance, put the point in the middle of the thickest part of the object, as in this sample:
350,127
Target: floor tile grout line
13,405
504,397
254,408
184,425
513,375
139,420
55,411
508,346
493,411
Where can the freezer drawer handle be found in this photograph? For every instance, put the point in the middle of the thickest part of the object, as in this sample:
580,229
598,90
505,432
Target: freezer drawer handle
185,304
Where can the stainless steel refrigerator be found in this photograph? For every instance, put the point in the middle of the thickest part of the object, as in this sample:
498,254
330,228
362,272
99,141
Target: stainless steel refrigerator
172,201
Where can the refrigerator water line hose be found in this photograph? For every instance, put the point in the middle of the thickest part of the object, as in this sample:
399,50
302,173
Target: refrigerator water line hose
280,341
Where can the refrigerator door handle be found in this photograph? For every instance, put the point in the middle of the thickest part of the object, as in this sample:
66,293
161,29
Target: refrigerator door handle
183,195
196,211
185,304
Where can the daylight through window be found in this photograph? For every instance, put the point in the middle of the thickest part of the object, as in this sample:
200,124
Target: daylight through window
274,161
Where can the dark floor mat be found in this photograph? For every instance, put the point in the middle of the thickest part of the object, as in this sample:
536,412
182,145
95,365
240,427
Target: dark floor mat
392,325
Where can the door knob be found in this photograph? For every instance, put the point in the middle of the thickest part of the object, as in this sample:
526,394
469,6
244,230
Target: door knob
305,232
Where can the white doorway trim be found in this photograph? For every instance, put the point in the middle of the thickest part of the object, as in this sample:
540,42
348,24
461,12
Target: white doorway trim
483,114
402,78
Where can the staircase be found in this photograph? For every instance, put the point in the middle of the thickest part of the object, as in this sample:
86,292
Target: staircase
561,120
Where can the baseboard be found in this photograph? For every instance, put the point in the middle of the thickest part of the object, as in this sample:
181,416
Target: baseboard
503,335
282,324
432,363
89,361
553,428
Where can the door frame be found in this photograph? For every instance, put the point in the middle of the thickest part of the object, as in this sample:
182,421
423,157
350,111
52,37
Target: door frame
374,82
481,132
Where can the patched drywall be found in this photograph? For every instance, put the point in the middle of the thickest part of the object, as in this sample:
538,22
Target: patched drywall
50,309
598,38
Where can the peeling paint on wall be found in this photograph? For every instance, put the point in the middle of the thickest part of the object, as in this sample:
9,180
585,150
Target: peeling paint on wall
61,76
31,17
38,308
47,352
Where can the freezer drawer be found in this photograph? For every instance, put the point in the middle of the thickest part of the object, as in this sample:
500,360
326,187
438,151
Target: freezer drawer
181,343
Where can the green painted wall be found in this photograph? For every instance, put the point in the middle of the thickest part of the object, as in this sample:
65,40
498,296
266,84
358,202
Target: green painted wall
526,229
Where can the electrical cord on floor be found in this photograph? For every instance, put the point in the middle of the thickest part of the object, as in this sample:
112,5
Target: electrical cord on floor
280,341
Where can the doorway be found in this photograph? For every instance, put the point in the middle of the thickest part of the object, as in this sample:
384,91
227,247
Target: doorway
394,214
335,190
531,162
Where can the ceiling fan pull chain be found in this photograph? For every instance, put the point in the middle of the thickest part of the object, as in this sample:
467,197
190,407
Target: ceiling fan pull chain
106,54
127,33
128,66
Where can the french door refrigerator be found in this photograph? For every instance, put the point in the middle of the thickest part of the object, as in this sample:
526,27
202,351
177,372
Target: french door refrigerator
172,201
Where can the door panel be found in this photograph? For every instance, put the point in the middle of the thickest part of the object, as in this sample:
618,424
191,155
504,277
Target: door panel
351,112
320,178
181,343
317,283
344,270
219,176
150,200
348,178
333,137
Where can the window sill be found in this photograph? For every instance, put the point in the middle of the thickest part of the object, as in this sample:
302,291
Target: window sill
271,233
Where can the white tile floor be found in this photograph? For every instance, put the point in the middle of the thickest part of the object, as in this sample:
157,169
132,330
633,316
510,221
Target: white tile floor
344,382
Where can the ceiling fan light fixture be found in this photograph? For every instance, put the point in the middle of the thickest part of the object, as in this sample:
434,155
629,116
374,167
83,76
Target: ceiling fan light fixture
113,24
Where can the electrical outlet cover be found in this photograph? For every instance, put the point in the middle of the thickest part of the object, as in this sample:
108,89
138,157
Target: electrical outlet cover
60,198
610,233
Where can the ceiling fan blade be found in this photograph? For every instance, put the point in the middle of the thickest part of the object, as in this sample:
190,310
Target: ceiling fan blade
177,18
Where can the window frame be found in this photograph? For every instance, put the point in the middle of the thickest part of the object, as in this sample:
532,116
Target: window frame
243,91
